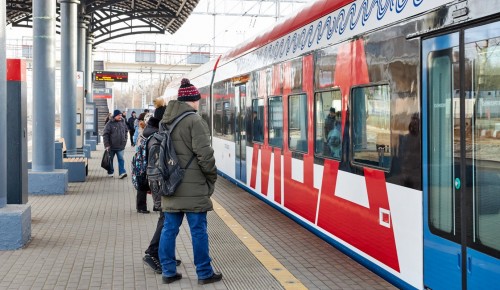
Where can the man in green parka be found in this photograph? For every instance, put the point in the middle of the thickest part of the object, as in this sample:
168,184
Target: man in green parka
190,137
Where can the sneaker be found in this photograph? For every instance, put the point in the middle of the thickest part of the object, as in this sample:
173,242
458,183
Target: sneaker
123,175
143,211
110,174
168,280
216,277
153,263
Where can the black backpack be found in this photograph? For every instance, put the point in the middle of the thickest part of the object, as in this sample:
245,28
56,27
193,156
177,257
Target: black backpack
164,171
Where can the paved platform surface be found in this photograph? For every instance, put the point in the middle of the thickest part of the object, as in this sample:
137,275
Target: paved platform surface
93,238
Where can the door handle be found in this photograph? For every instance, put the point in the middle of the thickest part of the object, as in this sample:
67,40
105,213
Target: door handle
459,261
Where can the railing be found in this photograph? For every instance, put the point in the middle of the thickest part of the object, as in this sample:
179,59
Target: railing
128,52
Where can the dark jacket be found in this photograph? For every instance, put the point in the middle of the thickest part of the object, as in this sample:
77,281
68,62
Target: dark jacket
115,135
148,131
191,136
159,112
130,123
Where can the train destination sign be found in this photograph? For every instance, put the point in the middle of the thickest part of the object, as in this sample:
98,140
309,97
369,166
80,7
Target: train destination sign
110,76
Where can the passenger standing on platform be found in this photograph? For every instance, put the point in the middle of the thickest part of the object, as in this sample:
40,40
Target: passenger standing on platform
115,136
190,137
151,258
139,126
141,203
131,128
160,106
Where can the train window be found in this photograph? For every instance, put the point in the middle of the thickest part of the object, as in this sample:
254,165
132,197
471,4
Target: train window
296,75
324,70
482,113
275,125
371,133
441,159
328,124
257,120
224,119
204,105
227,119
297,122
218,118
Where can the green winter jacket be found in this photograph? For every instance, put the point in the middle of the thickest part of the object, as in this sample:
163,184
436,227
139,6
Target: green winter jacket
191,136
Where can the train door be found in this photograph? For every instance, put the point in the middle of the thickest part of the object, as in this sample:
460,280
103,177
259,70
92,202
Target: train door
240,133
461,158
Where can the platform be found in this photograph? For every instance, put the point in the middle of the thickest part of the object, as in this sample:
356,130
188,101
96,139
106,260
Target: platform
93,238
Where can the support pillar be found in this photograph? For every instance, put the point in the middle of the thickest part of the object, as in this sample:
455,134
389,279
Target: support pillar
3,106
44,178
17,142
82,39
68,71
15,220
89,67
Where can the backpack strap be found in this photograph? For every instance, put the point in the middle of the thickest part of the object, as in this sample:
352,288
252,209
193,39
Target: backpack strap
190,160
171,127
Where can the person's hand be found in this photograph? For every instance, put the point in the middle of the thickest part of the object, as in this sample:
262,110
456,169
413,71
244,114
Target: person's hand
107,148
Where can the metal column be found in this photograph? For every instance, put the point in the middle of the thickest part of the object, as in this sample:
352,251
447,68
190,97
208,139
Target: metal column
89,67
68,73
3,106
82,37
44,81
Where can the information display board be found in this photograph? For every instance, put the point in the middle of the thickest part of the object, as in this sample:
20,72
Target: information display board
110,76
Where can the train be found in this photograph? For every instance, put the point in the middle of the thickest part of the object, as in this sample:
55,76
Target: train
375,124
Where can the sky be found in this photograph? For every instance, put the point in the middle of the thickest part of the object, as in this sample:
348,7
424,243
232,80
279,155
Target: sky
229,30
199,29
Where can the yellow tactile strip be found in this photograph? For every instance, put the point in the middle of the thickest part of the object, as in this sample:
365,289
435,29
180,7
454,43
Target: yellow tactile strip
282,275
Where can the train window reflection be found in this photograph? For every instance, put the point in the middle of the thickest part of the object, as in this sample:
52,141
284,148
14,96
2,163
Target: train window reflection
483,134
441,160
257,120
371,133
275,125
297,122
224,110
328,124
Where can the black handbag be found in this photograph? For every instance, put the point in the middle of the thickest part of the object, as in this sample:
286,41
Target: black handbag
106,160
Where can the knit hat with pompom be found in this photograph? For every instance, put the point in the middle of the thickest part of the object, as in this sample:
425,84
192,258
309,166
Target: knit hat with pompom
187,92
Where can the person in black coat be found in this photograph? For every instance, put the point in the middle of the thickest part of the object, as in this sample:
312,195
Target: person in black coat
131,127
115,139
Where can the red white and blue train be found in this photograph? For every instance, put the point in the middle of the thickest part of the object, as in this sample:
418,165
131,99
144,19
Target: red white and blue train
376,125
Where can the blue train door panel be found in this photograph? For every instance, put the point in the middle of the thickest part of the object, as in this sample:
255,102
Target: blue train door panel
461,158
240,133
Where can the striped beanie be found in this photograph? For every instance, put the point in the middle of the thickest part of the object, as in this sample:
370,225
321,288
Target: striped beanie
187,92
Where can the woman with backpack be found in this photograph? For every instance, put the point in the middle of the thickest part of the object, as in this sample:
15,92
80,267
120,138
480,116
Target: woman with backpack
151,258
143,188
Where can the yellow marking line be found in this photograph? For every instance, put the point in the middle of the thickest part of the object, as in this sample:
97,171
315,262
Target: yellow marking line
284,277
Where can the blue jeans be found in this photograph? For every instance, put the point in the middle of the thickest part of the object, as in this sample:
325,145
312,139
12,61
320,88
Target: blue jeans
121,162
198,227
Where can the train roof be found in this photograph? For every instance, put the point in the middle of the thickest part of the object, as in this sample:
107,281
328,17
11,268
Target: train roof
309,14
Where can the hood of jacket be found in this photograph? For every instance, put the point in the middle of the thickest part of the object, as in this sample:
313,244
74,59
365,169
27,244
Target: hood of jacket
174,109
149,130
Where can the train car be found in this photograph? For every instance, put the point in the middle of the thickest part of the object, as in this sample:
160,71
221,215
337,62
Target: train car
375,124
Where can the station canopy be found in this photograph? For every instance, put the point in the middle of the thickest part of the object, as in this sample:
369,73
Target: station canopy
110,19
